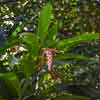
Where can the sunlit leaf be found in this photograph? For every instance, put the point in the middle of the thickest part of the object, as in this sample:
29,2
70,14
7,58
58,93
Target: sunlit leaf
44,21
18,27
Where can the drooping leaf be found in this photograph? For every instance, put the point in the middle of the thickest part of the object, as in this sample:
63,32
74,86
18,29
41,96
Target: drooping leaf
44,21
74,41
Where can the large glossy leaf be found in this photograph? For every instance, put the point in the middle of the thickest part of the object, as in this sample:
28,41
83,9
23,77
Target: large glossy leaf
74,41
44,21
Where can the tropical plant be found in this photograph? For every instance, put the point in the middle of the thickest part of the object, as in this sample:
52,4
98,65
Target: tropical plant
41,48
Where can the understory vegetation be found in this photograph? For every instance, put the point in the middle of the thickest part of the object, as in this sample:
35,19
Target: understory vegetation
49,49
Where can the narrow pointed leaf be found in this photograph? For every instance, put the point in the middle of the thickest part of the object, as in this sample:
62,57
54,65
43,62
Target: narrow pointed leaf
74,41
28,37
53,32
68,96
71,56
51,37
44,21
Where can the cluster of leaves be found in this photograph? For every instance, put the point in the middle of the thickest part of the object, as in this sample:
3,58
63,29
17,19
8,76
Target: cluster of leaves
24,74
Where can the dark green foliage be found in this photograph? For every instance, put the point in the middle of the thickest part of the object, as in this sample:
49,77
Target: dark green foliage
72,30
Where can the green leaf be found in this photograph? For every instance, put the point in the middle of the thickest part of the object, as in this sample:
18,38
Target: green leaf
71,56
12,80
29,38
31,42
44,21
13,86
8,76
50,44
66,44
27,65
18,27
68,96
53,32
11,42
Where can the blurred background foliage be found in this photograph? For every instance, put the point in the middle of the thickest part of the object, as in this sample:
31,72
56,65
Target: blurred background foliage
74,17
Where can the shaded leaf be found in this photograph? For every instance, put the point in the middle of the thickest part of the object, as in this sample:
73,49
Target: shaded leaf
31,42
8,76
53,31
71,97
74,41
8,44
52,34
71,56
27,65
